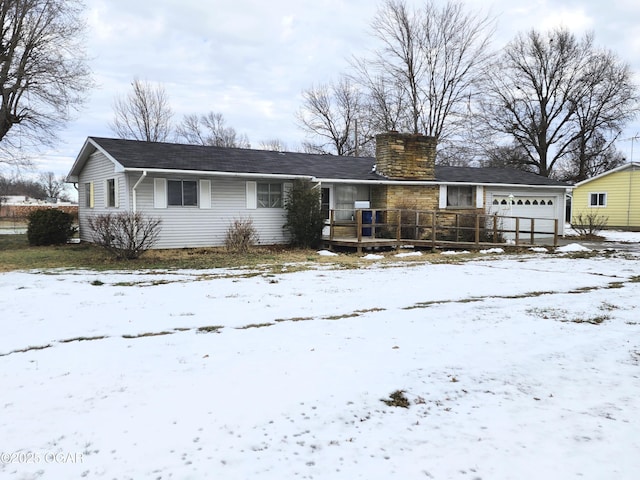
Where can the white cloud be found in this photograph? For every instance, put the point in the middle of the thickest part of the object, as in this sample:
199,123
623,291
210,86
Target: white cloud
575,20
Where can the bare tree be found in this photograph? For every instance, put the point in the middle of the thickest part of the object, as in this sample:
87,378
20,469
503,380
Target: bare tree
588,159
210,129
424,75
334,116
53,186
43,71
274,145
143,114
556,96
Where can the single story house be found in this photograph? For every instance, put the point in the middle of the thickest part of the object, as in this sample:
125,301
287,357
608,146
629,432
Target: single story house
197,191
614,194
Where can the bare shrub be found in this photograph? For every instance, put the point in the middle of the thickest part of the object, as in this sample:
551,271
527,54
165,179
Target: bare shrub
241,235
589,224
126,235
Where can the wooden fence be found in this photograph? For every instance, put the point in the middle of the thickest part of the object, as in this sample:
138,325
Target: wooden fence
435,229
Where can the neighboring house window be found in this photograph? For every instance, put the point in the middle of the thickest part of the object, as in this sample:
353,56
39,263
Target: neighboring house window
269,195
597,199
182,193
88,195
460,196
111,192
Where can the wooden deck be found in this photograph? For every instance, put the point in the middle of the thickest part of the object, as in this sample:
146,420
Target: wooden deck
438,229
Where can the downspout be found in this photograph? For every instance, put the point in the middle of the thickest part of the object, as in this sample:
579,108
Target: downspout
135,194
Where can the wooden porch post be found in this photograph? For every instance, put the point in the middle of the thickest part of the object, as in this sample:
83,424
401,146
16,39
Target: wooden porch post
331,220
434,220
359,229
533,237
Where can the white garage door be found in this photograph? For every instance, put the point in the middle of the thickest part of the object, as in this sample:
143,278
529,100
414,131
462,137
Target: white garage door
521,206
531,206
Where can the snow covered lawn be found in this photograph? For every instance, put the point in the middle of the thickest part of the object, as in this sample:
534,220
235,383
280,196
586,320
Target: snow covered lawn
515,367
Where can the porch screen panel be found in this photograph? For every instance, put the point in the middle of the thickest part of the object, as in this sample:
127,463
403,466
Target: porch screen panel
346,196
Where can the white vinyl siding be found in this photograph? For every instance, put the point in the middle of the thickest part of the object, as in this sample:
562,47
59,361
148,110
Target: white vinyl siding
202,227
93,198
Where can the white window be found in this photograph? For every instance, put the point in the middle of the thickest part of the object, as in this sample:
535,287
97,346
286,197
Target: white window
598,199
88,194
460,196
111,197
182,193
269,195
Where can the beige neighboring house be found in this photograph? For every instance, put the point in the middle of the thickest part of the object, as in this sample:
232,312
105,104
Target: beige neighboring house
614,195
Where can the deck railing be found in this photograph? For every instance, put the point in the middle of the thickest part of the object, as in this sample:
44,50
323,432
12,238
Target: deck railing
436,228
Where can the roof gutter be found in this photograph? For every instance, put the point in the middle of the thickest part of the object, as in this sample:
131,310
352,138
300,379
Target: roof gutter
282,176
435,183
135,193
169,171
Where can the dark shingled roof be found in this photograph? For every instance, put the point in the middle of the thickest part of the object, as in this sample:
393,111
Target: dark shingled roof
170,156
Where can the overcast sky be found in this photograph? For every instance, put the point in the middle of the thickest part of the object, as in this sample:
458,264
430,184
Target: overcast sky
251,59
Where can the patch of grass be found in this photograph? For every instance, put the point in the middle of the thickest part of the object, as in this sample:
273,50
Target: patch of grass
148,334
17,254
634,279
209,329
548,313
584,254
367,310
615,285
397,399
340,317
538,293
607,307
562,315
256,325
293,319
597,320
83,339
27,349
97,283
442,302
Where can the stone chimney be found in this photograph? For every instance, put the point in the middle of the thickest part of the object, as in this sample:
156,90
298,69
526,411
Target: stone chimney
405,156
